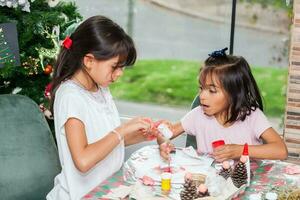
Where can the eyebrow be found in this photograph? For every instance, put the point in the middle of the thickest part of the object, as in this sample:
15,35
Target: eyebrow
213,85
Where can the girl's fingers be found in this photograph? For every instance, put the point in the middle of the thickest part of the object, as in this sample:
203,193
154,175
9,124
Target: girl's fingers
157,123
147,120
164,154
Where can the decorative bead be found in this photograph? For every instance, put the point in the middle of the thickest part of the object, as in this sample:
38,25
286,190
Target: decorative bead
226,164
202,188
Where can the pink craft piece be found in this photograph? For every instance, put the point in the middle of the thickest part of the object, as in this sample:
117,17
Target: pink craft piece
165,168
150,136
292,169
188,176
268,168
88,196
279,183
202,188
146,180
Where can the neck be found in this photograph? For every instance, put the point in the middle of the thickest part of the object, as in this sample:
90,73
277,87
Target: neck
85,80
222,118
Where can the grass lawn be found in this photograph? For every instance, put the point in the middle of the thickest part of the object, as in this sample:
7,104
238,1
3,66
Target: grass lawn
174,83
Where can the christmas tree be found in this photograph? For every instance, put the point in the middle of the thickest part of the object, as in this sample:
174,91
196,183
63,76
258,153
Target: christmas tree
6,56
40,25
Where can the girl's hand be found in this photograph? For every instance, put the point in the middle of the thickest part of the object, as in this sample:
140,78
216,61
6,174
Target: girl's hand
153,133
140,125
227,151
165,149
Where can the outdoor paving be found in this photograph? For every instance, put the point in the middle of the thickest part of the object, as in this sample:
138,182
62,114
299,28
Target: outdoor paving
161,33
247,15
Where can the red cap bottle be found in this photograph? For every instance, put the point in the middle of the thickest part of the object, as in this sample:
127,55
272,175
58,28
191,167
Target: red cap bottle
217,143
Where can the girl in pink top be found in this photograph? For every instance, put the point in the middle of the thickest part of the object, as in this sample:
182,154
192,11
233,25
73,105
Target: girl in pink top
231,110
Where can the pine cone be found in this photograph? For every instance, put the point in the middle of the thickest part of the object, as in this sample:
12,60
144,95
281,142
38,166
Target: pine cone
226,173
239,175
189,190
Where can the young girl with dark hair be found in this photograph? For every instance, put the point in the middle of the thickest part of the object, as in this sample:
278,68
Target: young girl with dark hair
89,135
230,109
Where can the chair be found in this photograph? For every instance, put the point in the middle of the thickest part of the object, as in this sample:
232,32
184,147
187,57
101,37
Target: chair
29,159
191,140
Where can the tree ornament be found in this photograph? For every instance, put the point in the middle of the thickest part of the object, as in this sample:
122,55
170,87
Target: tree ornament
46,111
31,65
24,4
53,3
9,4
16,90
49,53
48,69
47,92
6,83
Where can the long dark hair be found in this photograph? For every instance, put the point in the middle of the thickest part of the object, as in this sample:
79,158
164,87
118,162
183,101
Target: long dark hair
236,79
99,36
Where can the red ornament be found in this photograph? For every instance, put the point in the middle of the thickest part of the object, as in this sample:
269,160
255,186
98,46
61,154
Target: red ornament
48,69
47,91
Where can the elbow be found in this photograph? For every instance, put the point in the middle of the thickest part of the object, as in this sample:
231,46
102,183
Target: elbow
82,166
283,154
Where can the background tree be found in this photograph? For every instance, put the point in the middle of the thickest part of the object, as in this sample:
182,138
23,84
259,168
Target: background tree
40,25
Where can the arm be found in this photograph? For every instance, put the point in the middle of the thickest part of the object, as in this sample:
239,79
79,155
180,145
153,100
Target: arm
147,135
84,155
134,138
274,148
177,130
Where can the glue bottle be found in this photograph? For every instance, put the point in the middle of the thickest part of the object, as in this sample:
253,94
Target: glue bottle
245,159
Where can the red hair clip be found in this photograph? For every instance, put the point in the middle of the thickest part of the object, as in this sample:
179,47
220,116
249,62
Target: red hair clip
67,43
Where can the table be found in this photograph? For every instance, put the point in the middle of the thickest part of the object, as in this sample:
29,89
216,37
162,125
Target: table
267,176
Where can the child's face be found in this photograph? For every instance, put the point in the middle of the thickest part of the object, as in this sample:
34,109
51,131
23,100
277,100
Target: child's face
105,72
213,98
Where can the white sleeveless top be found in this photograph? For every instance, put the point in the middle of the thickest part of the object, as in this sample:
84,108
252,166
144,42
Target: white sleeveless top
99,115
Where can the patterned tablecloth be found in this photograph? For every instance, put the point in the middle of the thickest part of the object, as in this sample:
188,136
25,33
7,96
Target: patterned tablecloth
267,176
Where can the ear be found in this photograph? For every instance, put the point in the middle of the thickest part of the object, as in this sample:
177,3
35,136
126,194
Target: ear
88,60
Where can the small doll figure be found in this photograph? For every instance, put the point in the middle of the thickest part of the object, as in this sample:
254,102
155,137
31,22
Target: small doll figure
241,172
226,170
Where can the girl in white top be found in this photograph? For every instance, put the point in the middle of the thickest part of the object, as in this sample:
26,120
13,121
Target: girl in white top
89,136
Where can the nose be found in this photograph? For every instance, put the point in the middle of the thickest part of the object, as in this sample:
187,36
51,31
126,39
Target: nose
202,95
118,73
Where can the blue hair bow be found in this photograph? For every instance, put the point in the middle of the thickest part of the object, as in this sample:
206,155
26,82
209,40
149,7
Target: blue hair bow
218,53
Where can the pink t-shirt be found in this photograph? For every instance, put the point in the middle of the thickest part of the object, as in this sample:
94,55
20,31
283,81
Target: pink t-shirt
207,129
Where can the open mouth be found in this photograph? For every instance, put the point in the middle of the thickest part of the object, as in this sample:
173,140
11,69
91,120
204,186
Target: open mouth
205,106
